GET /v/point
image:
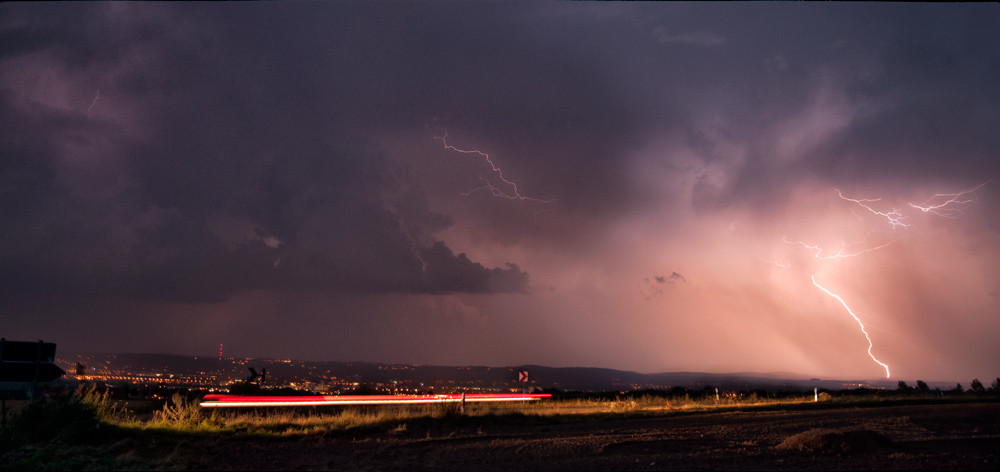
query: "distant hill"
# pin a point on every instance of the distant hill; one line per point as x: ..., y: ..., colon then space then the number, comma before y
x: 562, y: 378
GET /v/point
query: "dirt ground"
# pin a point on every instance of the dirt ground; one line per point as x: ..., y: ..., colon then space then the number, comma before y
x: 965, y: 436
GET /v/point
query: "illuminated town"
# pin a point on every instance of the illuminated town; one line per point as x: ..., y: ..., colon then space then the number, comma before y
x: 147, y: 375
x: 141, y: 374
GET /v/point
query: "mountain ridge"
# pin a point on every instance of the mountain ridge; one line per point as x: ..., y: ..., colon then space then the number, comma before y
x: 543, y: 377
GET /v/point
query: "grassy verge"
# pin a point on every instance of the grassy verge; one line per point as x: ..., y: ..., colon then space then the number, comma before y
x: 87, y: 431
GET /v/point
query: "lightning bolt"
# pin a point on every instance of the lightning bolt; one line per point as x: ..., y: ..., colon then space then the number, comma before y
x: 842, y: 302
x: 93, y: 103
x: 941, y: 209
x: 843, y: 250
x: 769, y: 261
x: 494, y: 190
x: 895, y: 217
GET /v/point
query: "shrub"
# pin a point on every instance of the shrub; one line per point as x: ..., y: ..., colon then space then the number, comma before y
x: 448, y: 410
x: 62, y: 419
x: 179, y: 411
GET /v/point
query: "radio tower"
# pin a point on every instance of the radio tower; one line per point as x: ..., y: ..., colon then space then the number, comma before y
x: 220, y: 352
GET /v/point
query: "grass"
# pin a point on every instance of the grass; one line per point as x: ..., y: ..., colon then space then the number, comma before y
x: 88, y: 431
x: 396, y: 418
x: 48, y: 434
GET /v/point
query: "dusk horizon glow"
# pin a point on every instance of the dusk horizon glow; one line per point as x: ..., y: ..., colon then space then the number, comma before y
x: 800, y: 188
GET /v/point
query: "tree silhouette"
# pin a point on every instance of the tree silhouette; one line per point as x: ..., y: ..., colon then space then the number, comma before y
x: 903, y: 388
x: 977, y: 386
x: 995, y: 386
x: 922, y: 387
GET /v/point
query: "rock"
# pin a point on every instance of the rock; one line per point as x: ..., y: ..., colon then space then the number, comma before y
x: 828, y: 441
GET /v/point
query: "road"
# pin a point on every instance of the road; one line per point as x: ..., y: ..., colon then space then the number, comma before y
x: 963, y: 436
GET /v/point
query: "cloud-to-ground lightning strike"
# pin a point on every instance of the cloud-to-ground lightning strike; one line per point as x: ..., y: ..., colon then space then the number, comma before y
x: 941, y: 209
x: 494, y: 190
x: 894, y: 219
x: 842, y: 302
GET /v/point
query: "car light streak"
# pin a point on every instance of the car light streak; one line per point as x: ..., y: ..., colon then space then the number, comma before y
x: 220, y: 401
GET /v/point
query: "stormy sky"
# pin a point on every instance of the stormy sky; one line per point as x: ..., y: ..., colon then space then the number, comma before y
x: 649, y: 187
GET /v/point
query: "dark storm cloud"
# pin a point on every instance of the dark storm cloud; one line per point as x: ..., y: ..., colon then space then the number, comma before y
x: 649, y: 289
x: 245, y: 160
x: 268, y: 117
x: 446, y: 272
x: 234, y: 166
x: 931, y: 98
x: 668, y: 279
x: 913, y: 85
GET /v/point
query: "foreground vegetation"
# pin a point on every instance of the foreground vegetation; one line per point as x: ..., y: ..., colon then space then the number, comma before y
x: 89, y: 431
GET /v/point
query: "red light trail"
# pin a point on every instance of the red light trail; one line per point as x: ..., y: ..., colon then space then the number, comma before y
x: 218, y: 401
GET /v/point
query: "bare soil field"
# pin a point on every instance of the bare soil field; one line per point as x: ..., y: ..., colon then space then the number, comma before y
x: 944, y: 436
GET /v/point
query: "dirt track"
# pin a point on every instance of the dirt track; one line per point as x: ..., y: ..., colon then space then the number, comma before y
x: 919, y: 437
